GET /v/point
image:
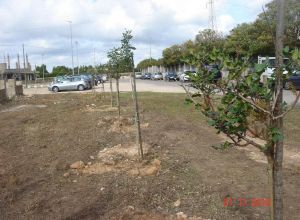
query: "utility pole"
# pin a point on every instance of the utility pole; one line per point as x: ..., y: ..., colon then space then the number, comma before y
x: 76, y: 42
x: 71, y: 38
x: 24, y: 65
x: 8, y: 61
x: 151, y: 54
x: 43, y: 66
x: 211, y: 18
x: 26, y: 80
x: 94, y: 57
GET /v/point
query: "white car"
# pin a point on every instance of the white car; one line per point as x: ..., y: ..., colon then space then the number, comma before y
x: 270, y: 69
x: 184, y: 77
x: 157, y: 76
x: 138, y: 75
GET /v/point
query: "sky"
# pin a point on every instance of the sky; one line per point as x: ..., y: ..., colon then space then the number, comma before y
x: 97, y: 26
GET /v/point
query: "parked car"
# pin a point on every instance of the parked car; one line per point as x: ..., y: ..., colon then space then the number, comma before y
x: 88, y: 77
x: 157, y: 76
x: 185, y: 76
x: 100, y: 79
x: 214, y: 69
x: 170, y: 76
x: 293, y: 81
x: 270, y: 70
x: 70, y: 83
x: 138, y: 75
x: 146, y: 76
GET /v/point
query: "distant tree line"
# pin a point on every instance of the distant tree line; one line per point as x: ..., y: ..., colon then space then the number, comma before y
x: 246, y: 39
x: 63, y: 70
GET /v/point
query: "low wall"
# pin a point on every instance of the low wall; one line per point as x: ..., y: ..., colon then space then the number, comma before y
x: 19, y: 88
x: 11, y: 88
x: 2, y: 91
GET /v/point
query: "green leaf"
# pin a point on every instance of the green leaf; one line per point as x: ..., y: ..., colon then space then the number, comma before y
x: 212, y: 122
x: 286, y: 49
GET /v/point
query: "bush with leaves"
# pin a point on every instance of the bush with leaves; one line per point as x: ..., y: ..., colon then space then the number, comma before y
x: 236, y: 103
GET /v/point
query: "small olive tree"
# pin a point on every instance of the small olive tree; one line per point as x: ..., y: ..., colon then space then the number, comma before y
x: 121, y: 61
x: 115, y: 64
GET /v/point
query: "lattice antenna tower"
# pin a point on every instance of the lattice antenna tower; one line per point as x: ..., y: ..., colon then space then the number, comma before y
x: 212, y: 16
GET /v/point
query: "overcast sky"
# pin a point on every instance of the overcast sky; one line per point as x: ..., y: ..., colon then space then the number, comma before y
x: 43, y: 28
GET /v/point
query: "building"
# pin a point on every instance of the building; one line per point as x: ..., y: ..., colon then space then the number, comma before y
x: 20, y: 74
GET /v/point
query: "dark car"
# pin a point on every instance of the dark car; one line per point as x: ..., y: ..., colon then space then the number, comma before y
x: 171, y: 77
x: 99, y: 79
x: 293, y: 81
x: 214, y: 69
x: 146, y: 76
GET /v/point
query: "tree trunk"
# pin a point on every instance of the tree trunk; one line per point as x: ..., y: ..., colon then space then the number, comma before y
x: 271, y: 183
x: 118, y: 96
x: 278, y: 153
x: 111, y: 90
x: 137, y: 116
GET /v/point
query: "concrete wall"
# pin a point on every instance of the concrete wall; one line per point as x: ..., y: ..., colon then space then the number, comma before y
x: 2, y: 91
x: 11, y: 88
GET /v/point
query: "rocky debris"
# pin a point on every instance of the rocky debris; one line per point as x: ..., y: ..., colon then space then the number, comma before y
x: 77, y: 165
x: 147, y: 170
x: 66, y: 174
x: 181, y: 216
x: 92, y: 157
x: 177, y: 203
x: 131, y: 212
x: 120, y: 152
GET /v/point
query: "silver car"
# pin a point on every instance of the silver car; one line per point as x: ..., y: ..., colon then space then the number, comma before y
x: 70, y: 83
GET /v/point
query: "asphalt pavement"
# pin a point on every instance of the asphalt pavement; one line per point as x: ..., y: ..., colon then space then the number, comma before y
x: 142, y: 86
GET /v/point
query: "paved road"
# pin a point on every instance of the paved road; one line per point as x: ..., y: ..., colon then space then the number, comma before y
x: 145, y: 86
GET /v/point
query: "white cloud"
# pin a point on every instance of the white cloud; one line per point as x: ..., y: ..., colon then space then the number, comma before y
x: 41, y: 25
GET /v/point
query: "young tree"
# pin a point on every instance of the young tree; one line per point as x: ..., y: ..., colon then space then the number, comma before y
x: 115, y: 61
x: 128, y: 64
x: 245, y: 102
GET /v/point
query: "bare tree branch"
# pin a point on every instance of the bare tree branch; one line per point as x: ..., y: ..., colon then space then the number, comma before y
x: 189, y: 94
x: 275, y: 101
x: 253, y: 104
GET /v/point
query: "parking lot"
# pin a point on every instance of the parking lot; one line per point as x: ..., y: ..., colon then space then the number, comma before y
x: 142, y: 86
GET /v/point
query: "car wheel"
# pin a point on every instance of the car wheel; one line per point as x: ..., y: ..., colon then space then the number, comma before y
x: 80, y: 87
x: 55, y: 89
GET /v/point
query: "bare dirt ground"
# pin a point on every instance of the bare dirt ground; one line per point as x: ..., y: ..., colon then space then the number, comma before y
x: 185, y: 177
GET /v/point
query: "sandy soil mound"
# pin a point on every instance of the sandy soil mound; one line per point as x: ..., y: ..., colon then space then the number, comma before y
x: 125, y: 125
x: 131, y: 213
x: 120, y: 159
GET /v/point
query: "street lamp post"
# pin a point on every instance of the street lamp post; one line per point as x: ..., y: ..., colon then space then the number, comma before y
x: 43, y: 66
x: 71, y: 36
x: 76, y: 42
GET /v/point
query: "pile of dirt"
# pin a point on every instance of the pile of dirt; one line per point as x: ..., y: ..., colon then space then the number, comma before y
x: 125, y: 125
x: 120, y: 159
x: 131, y: 213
